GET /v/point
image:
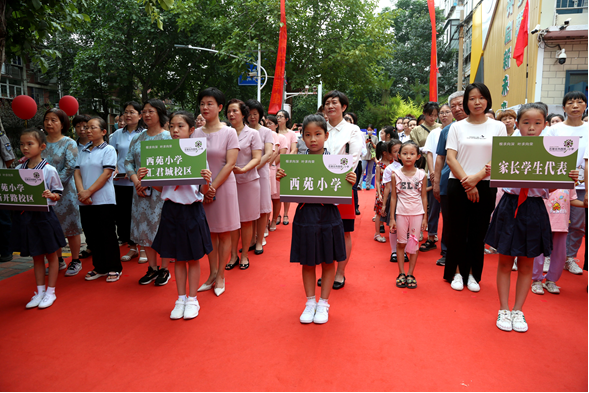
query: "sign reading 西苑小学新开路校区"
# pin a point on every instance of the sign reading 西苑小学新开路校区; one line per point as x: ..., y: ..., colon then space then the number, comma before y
x: 533, y: 161
x: 22, y: 189
x: 315, y: 178
x: 174, y: 162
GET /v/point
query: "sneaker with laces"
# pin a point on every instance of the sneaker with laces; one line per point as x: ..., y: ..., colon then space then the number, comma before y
x: 178, y: 311
x: 546, y: 265
x: 321, y: 313
x: 551, y: 287
x: 191, y: 309
x: 472, y: 284
x: 519, y: 321
x: 74, y: 268
x: 504, y: 321
x: 35, y: 300
x: 457, y: 283
x: 309, y: 314
x: 571, y: 266
x: 163, y: 276
x: 441, y: 261
x: 151, y: 275
x: 537, y: 288
x: 48, y: 300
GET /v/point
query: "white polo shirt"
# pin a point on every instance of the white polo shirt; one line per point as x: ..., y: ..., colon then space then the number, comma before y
x: 582, y: 131
x: 342, y: 134
x: 184, y: 195
x: 431, y: 145
x: 91, y: 164
x: 120, y: 140
x: 50, y: 177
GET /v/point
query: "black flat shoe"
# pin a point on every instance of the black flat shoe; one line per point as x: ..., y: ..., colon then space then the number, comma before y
x: 259, y: 252
x: 357, y: 212
x: 393, y: 257
x: 244, y: 266
x: 339, y: 285
x: 319, y: 282
x: 381, y: 229
x: 230, y: 266
x: 85, y: 254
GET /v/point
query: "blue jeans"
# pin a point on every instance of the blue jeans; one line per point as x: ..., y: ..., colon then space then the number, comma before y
x: 434, y: 213
x: 368, y: 165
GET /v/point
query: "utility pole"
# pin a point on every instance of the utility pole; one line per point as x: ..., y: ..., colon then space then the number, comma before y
x: 259, y: 73
x: 461, y: 45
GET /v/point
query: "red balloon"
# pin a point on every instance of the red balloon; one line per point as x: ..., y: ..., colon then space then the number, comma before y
x: 24, y: 107
x: 69, y: 105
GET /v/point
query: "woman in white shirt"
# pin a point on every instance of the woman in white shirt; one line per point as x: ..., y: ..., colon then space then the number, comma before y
x: 471, y: 200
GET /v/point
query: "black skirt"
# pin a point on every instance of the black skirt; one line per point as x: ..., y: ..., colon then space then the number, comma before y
x: 317, y: 235
x: 183, y: 233
x: 36, y: 233
x: 527, y: 235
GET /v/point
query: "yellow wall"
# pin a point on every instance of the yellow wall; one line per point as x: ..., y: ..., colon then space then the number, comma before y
x: 495, y: 49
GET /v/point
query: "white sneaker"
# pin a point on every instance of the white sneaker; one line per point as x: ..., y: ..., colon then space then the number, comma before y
x: 551, y: 287
x: 457, y: 284
x: 504, y: 321
x: 309, y: 313
x: 571, y: 266
x: 191, y: 309
x: 35, y: 300
x: 546, y: 265
x: 266, y: 232
x: 537, y: 288
x: 321, y: 313
x: 178, y: 311
x: 264, y: 242
x: 472, y: 284
x: 519, y: 321
x: 73, y: 269
x: 48, y: 300
x: 514, y: 267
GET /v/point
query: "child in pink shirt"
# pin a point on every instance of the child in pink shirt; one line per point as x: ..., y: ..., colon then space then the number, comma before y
x: 559, y: 208
x: 409, y: 200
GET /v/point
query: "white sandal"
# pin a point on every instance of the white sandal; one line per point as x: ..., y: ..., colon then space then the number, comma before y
x: 142, y: 257
x: 130, y: 255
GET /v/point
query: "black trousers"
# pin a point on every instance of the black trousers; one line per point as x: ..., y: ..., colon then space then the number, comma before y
x: 467, y: 225
x: 124, y: 195
x: 5, y: 229
x: 445, y: 218
x: 358, y: 172
x: 98, y: 223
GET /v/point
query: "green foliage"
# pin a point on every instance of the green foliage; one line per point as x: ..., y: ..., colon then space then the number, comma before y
x: 386, y: 113
x: 153, y: 12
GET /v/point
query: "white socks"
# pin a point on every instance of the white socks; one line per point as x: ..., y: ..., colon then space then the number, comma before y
x: 192, y: 299
x: 322, y: 302
x: 41, y: 289
x: 51, y: 290
x: 182, y: 297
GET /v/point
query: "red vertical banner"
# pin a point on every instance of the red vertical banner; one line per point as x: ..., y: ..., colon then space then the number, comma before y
x: 278, y: 86
x: 433, y: 68
x: 522, y: 36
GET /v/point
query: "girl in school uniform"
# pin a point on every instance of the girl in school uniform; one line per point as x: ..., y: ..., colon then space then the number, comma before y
x: 280, y: 146
x: 96, y: 198
x: 317, y: 233
x: 520, y: 228
x: 39, y: 234
x: 183, y: 233
x: 409, y: 202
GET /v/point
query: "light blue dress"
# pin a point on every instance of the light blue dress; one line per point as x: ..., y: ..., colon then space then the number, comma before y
x: 146, y: 211
x: 63, y: 155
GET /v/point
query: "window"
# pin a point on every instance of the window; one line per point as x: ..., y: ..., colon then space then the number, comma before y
x: 570, y: 6
x: 10, y: 88
x: 576, y: 81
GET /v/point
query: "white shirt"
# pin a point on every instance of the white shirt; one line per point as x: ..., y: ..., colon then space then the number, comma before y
x: 403, y: 137
x: 388, y: 171
x: 91, y: 164
x: 473, y: 143
x: 342, y: 134
x: 50, y: 178
x: 582, y: 131
x: 120, y: 140
x: 431, y: 145
x: 184, y: 195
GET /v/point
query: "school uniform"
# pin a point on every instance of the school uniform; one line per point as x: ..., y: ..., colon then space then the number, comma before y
x: 98, y: 218
x: 183, y: 233
x: 39, y: 233
x: 317, y: 234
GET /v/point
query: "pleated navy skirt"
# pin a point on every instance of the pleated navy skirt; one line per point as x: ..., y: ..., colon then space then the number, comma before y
x: 317, y: 235
x: 183, y: 233
x: 36, y: 233
x: 527, y: 235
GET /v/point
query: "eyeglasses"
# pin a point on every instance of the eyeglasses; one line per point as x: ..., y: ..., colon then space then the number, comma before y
x: 280, y: 117
x: 130, y: 112
x: 445, y: 113
x: 149, y: 112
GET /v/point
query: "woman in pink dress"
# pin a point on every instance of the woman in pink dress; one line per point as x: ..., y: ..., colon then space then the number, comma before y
x: 283, y: 123
x: 221, y: 206
x: 280, y: 144
x: 256, y: 112
x: 248, y: 180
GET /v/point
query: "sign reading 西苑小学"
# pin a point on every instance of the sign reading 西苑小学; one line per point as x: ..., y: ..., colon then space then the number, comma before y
x: 533, y: 161
x: 174, y: 162
x: 22, y: 189
x: 314, y: 178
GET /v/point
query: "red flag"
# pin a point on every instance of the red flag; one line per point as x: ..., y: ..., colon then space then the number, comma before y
x: 433, y: 68
x: 277, y: 87
x: 522, y: 37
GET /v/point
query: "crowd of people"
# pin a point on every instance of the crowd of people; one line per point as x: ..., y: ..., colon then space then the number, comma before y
x: 424, y: 167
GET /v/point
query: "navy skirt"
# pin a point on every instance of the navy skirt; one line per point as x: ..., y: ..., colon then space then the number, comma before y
x: 36, y: 233
x: 317, y: 235
x: 183, y: 233
x: 527, y: 235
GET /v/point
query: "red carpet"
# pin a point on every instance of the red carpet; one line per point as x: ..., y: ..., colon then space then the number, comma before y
x: 118, y: 337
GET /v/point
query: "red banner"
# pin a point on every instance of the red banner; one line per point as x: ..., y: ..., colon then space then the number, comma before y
x: 278, y: 86
x: 522, y: 37
x: 433, y: 68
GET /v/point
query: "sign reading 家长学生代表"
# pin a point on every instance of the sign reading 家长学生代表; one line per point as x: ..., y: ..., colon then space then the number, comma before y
x: 174, y: 162
x: 534, y: 161
x: 315, y: 178
x: 22, y: 189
